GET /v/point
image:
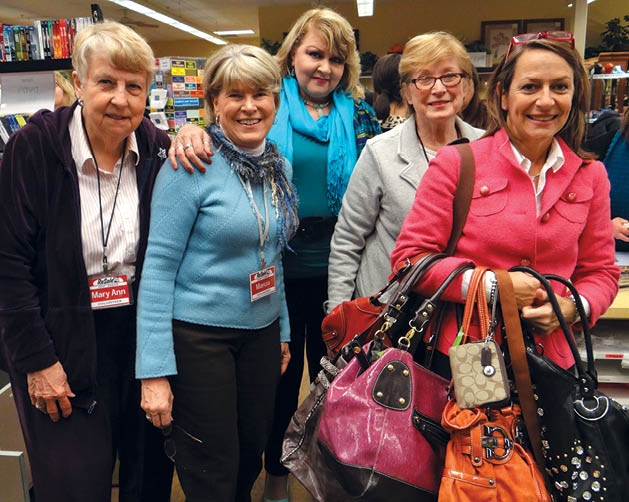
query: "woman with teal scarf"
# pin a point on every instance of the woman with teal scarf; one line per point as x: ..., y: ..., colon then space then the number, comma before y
x: 321, y: 127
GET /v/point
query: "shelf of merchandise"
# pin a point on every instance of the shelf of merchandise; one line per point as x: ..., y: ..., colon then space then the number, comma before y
x: 36, y: 65
x: 611, y: 349
x: 609, y: 90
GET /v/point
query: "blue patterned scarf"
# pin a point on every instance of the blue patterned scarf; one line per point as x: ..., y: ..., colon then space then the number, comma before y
x: 270, y: 167
x: 337, y: 130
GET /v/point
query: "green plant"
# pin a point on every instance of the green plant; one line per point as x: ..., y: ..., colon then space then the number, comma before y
x: 616, y: 36
x: 477, y: 46
x: 270, y: 46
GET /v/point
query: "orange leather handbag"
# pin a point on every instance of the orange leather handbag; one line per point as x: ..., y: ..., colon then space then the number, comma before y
x: 484, y: 461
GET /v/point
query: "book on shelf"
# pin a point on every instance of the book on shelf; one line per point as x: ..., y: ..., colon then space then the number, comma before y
x: 44, y: 39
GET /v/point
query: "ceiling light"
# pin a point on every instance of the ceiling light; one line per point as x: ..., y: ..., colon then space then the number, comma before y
x: 365, y: 8
x: 228, y: 33
x: 572, y: 4
x: 146, y: 11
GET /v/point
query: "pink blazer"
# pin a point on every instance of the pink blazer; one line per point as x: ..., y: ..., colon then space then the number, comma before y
x: 571, y: 237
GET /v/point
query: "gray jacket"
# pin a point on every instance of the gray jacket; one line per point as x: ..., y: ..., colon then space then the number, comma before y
x: 380, y: 193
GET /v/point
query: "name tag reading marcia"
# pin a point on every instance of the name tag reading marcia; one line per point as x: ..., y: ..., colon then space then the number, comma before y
x: 109, y: 291
x: 262, y: 283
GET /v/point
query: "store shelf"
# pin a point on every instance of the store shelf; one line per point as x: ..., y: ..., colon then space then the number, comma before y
x: 609, y: 76
x: 39, y: 65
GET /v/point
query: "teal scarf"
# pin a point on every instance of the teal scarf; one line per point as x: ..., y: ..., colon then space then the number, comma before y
x: 337, y: 130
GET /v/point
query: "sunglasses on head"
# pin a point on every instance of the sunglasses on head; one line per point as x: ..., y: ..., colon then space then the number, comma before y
x: 525, y: 38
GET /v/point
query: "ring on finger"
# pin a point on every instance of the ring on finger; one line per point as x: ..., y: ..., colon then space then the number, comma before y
x: 148, y: 417
x: 188, y: 145
x: 207, y: 142
x: 180, y: 147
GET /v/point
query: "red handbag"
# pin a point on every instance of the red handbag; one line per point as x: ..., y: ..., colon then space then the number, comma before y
x: 348, y: 319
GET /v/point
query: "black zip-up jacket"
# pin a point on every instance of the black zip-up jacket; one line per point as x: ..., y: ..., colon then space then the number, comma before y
x: 45, y: 313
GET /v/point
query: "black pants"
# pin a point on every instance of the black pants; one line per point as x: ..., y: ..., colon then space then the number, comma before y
x: 305, y: 299
x: 73, y: 459
x: 223, y: 408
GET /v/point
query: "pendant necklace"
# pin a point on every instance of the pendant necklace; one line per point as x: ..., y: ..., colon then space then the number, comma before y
x: 319, y: 107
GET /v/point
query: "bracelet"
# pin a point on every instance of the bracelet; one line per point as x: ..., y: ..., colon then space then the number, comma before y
x: 577, y: 317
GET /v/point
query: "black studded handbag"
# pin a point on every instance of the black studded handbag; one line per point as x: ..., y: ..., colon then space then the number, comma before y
x: 584, y: 433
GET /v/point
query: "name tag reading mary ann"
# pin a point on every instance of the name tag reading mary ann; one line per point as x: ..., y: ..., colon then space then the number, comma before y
x: 262, y: 283
x: 108, y: 291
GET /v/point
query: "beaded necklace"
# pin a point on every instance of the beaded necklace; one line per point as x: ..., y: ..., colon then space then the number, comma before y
x: 319, y: 107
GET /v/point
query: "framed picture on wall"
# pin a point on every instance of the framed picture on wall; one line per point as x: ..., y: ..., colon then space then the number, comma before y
x: 539, y: 25
x: 496, y: 36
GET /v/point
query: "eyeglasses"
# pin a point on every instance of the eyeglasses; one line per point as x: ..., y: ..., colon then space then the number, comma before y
x: 424, y: 83
x: 169, y: 442
x: 525, y: 38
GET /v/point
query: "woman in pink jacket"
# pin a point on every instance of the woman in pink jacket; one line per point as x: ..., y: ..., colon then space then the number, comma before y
x: 535, y: 202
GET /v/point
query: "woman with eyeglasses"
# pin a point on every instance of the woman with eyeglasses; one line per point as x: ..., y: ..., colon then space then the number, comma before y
x: 435, y: 74
x: 536, y: 201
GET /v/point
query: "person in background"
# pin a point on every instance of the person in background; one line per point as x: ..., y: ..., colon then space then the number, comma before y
x: 536, y: 200
x: 474, y: 110
x: 391, y: 109
x: 321, y: 127
x: 213, y: 325
x: 64, y: 91
x: 600, y: 133
x: 434, y: 69
x: 616, y: 160
x: 75, y: 190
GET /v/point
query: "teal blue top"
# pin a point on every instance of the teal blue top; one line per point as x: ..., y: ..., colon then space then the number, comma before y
x: 617, y: 164
x: 203, y: 244
x: 310, y: 175
x: 308, y: 257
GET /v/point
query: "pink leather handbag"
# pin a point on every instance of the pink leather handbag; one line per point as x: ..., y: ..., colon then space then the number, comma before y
x: 380, y: 429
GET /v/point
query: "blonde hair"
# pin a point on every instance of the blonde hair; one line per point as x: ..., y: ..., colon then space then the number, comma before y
x: 239, y: 65
x: 69, y: 97
x: 125, y: 49
x: 424, y: 50
x: 338, y: 34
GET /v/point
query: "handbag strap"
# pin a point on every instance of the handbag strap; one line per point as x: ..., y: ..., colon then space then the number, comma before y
x: 462, y: 196
x: 476, y: 295
x: 588, y: 381
x: 519, y: 364
x: 427, y: 309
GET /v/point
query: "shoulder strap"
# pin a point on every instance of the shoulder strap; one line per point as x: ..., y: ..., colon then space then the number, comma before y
x: 519, y: 364
x: 463, y: 194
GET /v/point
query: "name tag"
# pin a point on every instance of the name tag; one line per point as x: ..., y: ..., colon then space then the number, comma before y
x: 262, y: 283
x: 109, y: 291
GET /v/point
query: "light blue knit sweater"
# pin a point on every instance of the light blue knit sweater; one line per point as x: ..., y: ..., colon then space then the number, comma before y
x: 203, y: 244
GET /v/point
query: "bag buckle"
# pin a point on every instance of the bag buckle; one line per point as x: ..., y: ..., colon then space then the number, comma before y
x: 491, y: 442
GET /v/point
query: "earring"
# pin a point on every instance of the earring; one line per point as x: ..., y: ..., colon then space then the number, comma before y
x: 291, y: 73
x: 217, y: 120
x: 80, y: 102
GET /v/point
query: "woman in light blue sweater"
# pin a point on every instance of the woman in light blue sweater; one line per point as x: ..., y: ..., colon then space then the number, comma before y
x: 212, y: 316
